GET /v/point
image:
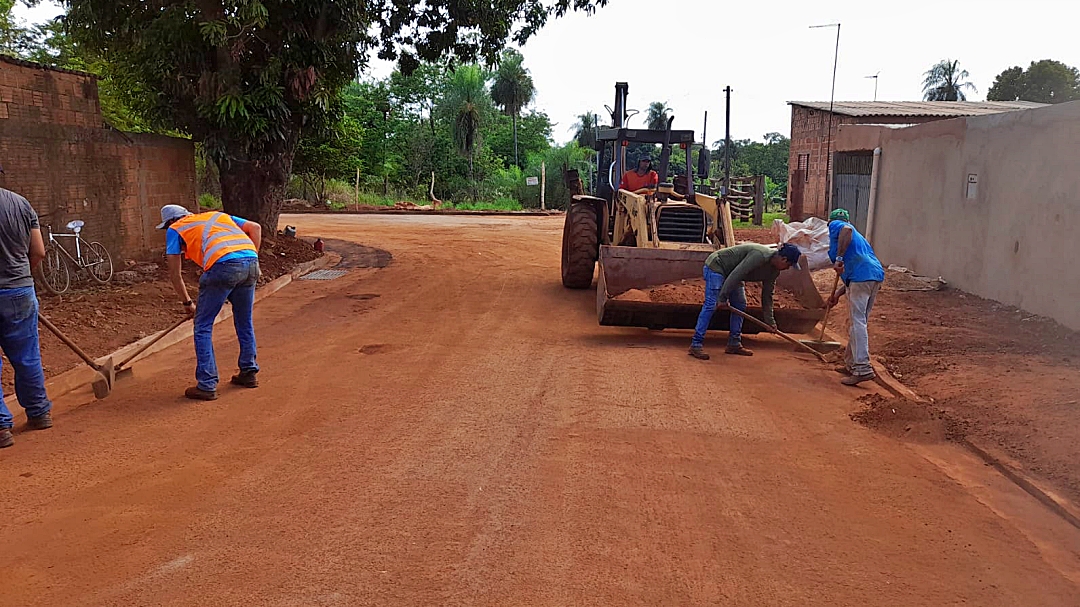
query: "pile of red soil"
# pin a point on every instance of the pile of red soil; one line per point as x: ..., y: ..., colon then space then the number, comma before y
x: 693, y: 292
x: 278, y: 256
x: 908, y: 420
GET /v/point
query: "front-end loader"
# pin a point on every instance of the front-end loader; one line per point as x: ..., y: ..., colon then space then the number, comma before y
x: 648, y: 238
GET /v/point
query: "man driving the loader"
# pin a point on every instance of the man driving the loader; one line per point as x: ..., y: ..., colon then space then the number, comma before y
x: 642, y: 179
x: 725, y: 271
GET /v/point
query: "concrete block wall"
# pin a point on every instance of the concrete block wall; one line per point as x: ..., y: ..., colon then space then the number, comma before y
x: 56, y: 152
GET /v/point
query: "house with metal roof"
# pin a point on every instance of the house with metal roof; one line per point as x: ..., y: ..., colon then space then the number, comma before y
x: 814, y: 127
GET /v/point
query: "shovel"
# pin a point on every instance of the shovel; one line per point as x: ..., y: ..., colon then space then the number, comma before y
x: 769, y: 328
x: 122, y: 369
x: 107, y: 372
x: 819, y: 344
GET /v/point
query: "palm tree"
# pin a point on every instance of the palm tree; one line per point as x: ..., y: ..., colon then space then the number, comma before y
x: 585, y: 130
x: 946, y: 82
x: 466, y: 106
x: 513, y: 89
x: 657, y: 117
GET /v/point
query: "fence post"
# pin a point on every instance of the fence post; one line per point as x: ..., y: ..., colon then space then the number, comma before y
x: 357, y: 199
x: 543, y: 185
x: 759, y: 199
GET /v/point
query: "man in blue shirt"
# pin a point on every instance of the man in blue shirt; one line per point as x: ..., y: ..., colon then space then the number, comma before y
x: 862, y: 275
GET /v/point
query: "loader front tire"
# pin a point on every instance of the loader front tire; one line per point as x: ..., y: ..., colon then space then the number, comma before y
x: 580, y: 247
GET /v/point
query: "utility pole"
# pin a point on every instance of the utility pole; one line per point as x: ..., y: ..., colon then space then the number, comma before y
x: 727, y: 142
x: 832, y: 100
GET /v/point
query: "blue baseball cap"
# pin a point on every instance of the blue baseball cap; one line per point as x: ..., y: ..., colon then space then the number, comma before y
x: 791, y: 253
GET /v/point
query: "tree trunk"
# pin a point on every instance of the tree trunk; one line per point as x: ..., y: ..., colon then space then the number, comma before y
x: 472, y: 175
x: 255, y: 190
x: 516, y: 161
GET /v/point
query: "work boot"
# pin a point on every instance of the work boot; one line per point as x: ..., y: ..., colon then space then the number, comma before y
x: 855, y: 380
x: 246, y: 379
x: 698, y: 353
x: 41, y: 422
x: 843, y: 370
x: 195, y: 393
x: 739, y: 351
x: 6, y: 439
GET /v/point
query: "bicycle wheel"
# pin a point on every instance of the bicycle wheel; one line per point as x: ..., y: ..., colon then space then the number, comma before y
x: 55, y: 276
x: 99, y: 262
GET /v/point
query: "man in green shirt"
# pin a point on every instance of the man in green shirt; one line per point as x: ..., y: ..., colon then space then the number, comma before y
x: 725, y: 271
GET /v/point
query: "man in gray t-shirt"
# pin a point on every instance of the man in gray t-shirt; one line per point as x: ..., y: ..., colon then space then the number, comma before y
x: 21, y: 247
x: 17, y: 223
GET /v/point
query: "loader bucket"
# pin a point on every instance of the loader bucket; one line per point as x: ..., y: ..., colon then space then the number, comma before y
x: 626, y: 268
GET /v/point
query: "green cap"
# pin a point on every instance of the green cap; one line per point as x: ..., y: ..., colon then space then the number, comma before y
x: 840, y: 214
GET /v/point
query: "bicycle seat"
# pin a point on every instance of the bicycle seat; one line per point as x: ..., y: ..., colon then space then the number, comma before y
x: 76, y: 225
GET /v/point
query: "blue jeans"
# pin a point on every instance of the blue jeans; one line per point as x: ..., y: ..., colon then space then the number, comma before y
x: 737, y: 299
x: 19, y: 340
x: 233, y: 281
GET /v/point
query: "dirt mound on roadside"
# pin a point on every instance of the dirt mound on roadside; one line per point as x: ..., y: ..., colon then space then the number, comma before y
x: 693, y: 292
x: 907, y: 420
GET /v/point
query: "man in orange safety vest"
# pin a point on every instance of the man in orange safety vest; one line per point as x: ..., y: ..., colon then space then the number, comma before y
x: 227, y: 249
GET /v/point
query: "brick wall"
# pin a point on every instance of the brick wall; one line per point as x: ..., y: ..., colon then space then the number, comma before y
x: 56, y: 152
x: 810, y: 138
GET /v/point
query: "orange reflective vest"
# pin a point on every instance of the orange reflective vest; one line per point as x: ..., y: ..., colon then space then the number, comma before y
x: 210, y: 236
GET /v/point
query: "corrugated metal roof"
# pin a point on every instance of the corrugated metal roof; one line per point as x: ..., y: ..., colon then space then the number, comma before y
x: 919, y: 108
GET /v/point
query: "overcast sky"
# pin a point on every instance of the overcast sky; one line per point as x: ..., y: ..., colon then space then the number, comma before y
x: 684, y: 52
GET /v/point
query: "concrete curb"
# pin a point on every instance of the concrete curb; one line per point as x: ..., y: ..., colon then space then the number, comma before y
x: 73, y: 379
x: 1013, y: 472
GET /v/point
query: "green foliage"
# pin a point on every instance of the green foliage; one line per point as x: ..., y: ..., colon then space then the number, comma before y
x: 209, y: 202
x: 556, y: 159
x: 500, y: 204
x: 512, y: 90
x: 748, y: 158
x: 534, y: 135
x: 15, y: 39
x: 657, y: 117
x: 249, y: 78
x: 766, y: 222
x: 585, y: 130
x: 467, y: 107
x: 1045, y: 81
x: 945, y: 81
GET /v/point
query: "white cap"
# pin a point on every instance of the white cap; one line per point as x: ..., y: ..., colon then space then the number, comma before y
x: 170, y: 212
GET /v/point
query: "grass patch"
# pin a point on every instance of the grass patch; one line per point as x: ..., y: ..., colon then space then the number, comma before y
x: 209, y: 202
x: 766, y: 222
x: 501, y: 204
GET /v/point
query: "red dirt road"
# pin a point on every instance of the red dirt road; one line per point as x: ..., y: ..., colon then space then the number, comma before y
x: 455, y: 429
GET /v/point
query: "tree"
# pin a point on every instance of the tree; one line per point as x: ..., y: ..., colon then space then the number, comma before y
x: 336, y: 154
x: 247, y: 78
x: 1045, y: 81
x: 14, y: 38
x: 657, y: 117
x: 585, y: 130
x: 946, y: 82
x: 466, y: 107
x: 513, y: 89
x: 533, y: 136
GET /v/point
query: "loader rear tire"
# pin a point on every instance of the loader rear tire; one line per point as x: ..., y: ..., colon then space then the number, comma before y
x: 580, y: 247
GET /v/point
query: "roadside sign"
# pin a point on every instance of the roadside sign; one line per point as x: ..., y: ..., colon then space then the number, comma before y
x: 532, y: 181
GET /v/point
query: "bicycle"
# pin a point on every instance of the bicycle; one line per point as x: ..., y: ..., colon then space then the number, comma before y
x: 91, y: 257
